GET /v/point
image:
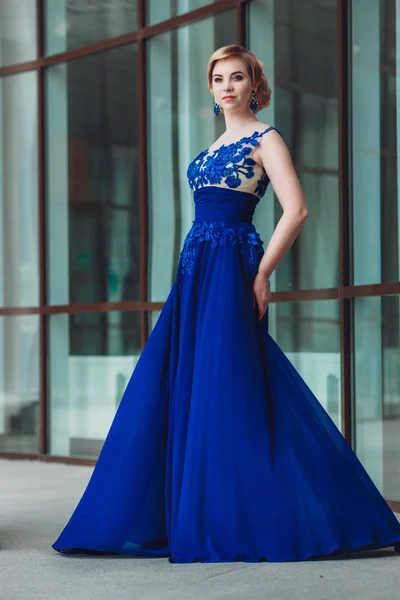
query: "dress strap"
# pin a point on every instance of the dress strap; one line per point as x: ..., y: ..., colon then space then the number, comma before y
x: 269, y: 129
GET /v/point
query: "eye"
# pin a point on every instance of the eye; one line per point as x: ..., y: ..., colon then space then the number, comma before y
x: 217, y: 79
x: 238, y: 77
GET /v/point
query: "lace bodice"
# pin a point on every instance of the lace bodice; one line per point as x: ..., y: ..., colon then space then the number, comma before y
x: 227, y: 185
x: 230, y: 166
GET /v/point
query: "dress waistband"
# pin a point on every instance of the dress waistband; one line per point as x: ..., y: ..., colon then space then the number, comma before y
x: 215, y: 203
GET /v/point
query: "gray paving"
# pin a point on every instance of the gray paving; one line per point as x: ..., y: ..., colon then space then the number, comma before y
x: 37, y: 498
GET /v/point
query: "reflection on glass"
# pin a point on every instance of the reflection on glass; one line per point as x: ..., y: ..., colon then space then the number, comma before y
x: 92, y: 179
x: 375, y: 148
x: 313, y: 261
x: 309, y: 334
x: 17, y: 31
x: 91, y: 358
x: 297, y: 41
x: 19, y: 383
x: 181, y: 124
x: 377, y: 390
x: 161, y: 11
x: 152, y: 319
x: 75, y: 23
x: 19, y: 269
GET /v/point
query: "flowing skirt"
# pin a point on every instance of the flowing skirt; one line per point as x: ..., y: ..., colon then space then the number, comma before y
x: 219, y: 451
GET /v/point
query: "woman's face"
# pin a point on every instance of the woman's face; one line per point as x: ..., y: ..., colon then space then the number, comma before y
x: 231, y: 84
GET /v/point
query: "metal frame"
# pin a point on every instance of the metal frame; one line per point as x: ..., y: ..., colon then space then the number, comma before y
x: 344, y: 206
x: 345, y: 293
x: 143, y: 188
x: 43, y: 413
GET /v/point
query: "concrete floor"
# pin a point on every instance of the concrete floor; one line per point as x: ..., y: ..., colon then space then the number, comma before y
x: 36, y: 499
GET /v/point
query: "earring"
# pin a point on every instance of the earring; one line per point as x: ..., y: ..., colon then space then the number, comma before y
x: 253, y: 104
x: 216, y: 109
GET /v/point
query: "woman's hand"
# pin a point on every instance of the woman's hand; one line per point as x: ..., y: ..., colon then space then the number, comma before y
x: 262, y: 294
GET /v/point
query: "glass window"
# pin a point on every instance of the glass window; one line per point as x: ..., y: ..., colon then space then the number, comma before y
x: 375, y: 140
x: 91, y: 358
x: 297, y: 42
x: 19, y: 383
x: 75, y: 23
x: 309, y: 334
x: 19, y: 268
x: 377, y: 390
x: 152, y: 318
x: 17, y: 31
x: 181, y: 124
x: 161, y: 11
x: 92, y: 179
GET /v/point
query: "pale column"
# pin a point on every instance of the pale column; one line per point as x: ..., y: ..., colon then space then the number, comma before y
x: 261, y: 36
x: 398, y: 128
x: 197, y: 124
x: 18, y: 212
x: 20, y: 266
x: 56, y: 26
x: 158, y: 11
x: 18, y: 31
x: 2, y: 283
x: 2, y: 333
x: 367, y: 235
x: 58, y: 234
x: 161, y: 165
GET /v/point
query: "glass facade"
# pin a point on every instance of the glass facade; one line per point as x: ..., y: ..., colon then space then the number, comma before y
x: 377, y: 389
x: 309, y: 334
x: 375, y: 237
x: 19, y: 268
x: 102, y: 107
x: 301, y: 60
x: 180, y: 115
x: 157, y: 11
x: 91, y: 357
x: 18, y: 27
x: 72, y: 24
x: 19, y: 384
x: 375, y: 147
x: 92, y: 178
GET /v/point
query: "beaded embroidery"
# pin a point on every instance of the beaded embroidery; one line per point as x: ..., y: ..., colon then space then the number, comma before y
x: 229, y: 166
x: 243, y: 234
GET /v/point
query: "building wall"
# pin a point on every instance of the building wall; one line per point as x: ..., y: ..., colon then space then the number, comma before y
x: 97, y: 127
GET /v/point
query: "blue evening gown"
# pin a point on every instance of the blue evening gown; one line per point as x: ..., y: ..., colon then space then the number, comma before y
x: 219, y: 451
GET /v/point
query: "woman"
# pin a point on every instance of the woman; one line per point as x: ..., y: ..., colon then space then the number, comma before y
x: 219, y: 451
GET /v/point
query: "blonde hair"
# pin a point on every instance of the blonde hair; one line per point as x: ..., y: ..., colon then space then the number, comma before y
x: 254, y: 67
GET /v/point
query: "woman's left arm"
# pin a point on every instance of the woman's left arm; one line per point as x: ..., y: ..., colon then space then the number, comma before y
x: 274, y: 156
x: 276, y: 160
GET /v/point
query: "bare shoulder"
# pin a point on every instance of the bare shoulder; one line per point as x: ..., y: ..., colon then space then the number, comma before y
x: 271, y: 136
x: 271, y: 140
x: 270, y: 132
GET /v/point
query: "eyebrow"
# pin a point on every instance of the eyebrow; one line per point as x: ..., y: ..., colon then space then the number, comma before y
x: 235, y: 73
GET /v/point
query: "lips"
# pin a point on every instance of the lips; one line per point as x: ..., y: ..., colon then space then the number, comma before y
x: 228, y: 98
